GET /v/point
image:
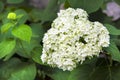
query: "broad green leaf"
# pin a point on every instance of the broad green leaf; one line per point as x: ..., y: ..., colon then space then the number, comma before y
x: 85, y: 72
x: 52, y: 9
x: 6, y: 27
x: 36, y: 14
x: 22, y: 16
x: 23, y: 32
x: 24, y: 48
x: 6, y: 47
x: 82, y: 72
x: 14, y: 69
x: 66, y: 4
x: 4, y: 18
x: 112, y: 30
x: 36, y: 53
x: 14, y: 1
x: 1, y: 6
x: 115, y: 72
x: 78, y: 73
x: 113, y: 51
x: 61, y: 1
x: 117, y: 2
x: 88, y: 5
x: 38, y: 30
x: 50, y: 17
x: 49, y: 14
x: 117, y: 41
x: 55, y: 73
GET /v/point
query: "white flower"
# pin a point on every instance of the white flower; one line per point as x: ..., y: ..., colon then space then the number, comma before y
x: 72, y: 38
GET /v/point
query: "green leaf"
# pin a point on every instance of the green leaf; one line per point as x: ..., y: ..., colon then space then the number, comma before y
x: 115, y: 73
x: 6, y: 47
x: 112, y: 30
x: 55, y: 73
x: 36, y: 53
x: 80, y: 73
x: 14, y: 69
x: 23, y: 32
x: 88, y: 5
x: 113, y: 51
x: 61, y: 1
x: 22, y: 16
x: 85, y: 72
x: 117, y: 1
x: 1, y: 6
x: 6, y: 27
x: 36, y: 14
x: 24, y: 48
x: 14, y: 1
x: 52, y: 8
x: 38, y: 30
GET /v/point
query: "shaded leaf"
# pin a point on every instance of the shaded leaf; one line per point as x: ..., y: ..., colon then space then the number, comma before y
x: 23, y: 32
x: 6, y: 47
x: 14, y: 69
x: 38, y: 30
x: 61, y: 1
x: 117, y: 1
x: 115, y: 72
x: 22, y: 16
x: 112, y: 30
x: 1, y: 6
x: 113, y: 51
x: 36, y: 53
x: 83, y: 72
x: 14, y: 1
x: 6, y: 27
x: 24, y: 48
x: 93, y: 5
x: 42, y: 15
x: 36, y: 14
x: 55, y: 73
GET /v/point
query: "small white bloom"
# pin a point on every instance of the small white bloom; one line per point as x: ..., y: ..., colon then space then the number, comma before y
x: 72, y: 38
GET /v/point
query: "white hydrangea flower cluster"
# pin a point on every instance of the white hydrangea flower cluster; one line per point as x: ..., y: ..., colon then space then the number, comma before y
x: 72, y: 38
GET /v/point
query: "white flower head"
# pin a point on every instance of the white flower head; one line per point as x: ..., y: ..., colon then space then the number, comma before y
x: 72, y: 38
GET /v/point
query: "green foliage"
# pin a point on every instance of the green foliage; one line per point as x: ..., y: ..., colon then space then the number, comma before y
x: 21, y: 42
x: 23, y: 32
x: 38, y: 30
x: 118, y: 1
x: 113, y: 51
x: 36, y: 53
x: 51, y: 8
x: 88, y: 5
x: 14, y: 69
x: 86, y: 72
x: 1, y: 6
x: 6, y: 27
x: 14, y: 1
x: 6, y: 47
x: 61, y: 1
x: 112, y: 29
x: 22, y: 16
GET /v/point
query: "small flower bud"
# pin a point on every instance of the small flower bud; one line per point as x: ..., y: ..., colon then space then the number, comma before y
x: 11, y: 15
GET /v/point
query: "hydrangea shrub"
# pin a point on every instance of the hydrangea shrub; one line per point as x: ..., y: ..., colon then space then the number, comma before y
x: 72, y: 38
